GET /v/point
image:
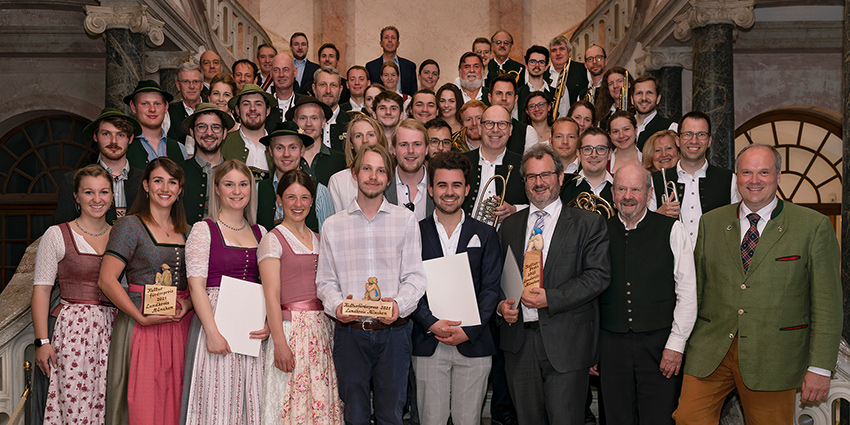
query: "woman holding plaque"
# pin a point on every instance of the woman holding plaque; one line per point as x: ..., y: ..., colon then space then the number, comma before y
x: 221, y: 387
x: 146, y: 357
x: 300, y: 379
x: 70, y: 253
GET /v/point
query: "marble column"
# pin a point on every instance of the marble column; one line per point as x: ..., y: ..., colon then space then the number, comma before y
x: 711, y: 24
x: 124, y: 29
x: 845, y: 195
x: 666, y: 64
x: 714, y: 88
x: 670, y: 87
x: 166, y: 64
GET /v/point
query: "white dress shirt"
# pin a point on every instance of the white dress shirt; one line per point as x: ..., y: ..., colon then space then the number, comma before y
x: 690, y: 209
x: 449, y: 243
x: 403, y: 194
x: 355, y: 248
x: 488, y: 170
x: 673, y: 126
x: 343, y: 189
x: 256, y: 152
x: 326, y: 131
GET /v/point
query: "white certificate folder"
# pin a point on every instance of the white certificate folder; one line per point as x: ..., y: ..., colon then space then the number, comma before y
x: 451, y: 294
x: 241, y: 310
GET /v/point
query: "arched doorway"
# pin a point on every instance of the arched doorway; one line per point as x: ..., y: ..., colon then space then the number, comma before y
x: 809, y: 140
x: 34, y: 154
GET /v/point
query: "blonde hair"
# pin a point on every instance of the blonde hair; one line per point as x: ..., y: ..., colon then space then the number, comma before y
x: 349, y: 146
x: 649, y: 147
x: 250, y: 211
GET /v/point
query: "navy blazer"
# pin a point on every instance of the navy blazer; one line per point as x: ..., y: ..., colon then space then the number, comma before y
x: 407, y: 69
x: 485, y: 264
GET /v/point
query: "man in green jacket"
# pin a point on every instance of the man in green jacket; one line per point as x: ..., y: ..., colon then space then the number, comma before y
x: 770, y: 302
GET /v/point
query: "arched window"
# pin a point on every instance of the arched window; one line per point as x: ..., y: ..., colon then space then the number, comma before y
x: 809, y: 140
x: 33, y: 156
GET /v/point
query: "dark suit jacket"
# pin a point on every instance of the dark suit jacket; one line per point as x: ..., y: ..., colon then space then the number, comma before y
x: 576, y: 270
x: 338, y: 130
x: 65, y: 203
x: 657, y: 124
x: 306, y: 84
x: 485, y: 263
x: 392, y: 196
x: 407, y: 69
x: 276, y: 114
x: 177, y: 113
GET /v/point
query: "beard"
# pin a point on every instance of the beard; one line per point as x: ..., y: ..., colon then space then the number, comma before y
x: 471, y: 85
x: 199, y: 146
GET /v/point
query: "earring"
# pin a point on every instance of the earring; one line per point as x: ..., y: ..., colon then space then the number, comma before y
x: 77, y: 206
x: 147, y: 194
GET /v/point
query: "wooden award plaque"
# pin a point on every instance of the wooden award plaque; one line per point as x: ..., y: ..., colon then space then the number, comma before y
x: 161, y: 298
x: 532, y: 271
x: 371, y: 304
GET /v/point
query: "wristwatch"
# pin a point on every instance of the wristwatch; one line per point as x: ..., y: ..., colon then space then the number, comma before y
x: 40, y: 342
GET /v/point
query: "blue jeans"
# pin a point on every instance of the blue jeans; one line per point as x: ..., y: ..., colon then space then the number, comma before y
x: 381, y: 357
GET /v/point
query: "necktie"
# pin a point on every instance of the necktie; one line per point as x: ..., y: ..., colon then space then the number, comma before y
x: 541, y: 215
x: 751, y: 238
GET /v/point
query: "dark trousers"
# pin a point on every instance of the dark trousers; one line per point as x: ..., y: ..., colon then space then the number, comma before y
x: 381, y: 357
x: 632, y: 384
x: 501, y: 405
x: 539, y: 391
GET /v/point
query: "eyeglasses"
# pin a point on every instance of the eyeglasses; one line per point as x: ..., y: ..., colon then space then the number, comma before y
x: 598, y: 58
x: 688, y: 135
x: 503, y: 42
x: 190, y: 82
x: 588, y: 150
x: 538, y: 105
x: 503, y: 125
x: 202, y: 128
x: 536, y: 62
x: 534, y: 177
x: 436, y: 142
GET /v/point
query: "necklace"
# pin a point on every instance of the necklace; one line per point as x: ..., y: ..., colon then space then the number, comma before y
x: 298, y: 234
x: 244, y: 224
x: 90, y: 233
x: 167, y: 235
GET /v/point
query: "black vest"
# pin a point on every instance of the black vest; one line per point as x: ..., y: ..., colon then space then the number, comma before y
x: 642, y: 295
x: 657, y: 124
x: 195, y: 191
x: 516, y: 143
x: 515, y: 194
x: 715, y: 188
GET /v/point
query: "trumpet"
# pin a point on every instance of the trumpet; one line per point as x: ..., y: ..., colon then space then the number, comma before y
x: 624, y: 94
x: 486, y: 211
x: 591, y: 202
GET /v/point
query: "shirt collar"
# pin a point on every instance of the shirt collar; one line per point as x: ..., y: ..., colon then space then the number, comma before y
x: 608, y: 177
x: 460, y: 223
x: 207, y: 166
x: 301, y: 62
x: 422, y: 181
x: 700, y: 171
x: 550, y: 209
x: 764, y: 214
x: 643, y: 216
x: 498, y: 161
x: 355, y: 207
x: 124, y: 171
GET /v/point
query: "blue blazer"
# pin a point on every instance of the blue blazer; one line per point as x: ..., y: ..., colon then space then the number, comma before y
x: 409, y: 83
x: 485, y: 262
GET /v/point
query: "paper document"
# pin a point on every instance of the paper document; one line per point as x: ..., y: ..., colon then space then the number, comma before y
x: 451, y: 294
x: 241, y: 310
x: 512, y: 279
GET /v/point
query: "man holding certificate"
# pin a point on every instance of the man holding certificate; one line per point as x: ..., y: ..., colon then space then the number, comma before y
x: 550, y: 335
x: 452, y: 360
x: 371, y: 239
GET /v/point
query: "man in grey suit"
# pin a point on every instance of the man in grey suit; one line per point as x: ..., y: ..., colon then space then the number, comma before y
x: 550, y: 338
x: 409, y: 188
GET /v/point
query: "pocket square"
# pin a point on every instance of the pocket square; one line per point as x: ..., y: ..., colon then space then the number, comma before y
x: 789, y: 258
x: 474, y: 242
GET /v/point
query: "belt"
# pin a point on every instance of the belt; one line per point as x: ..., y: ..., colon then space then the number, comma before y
x: 372, y: 325
x: 531, y: 325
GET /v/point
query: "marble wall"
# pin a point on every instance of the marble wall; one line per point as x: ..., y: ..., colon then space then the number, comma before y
x: 436, y: 29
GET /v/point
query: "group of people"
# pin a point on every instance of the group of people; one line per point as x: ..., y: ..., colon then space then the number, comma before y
x: 271, y: 176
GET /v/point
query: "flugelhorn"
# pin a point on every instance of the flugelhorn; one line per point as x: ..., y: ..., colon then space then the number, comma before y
x: 592, y: 202
x: 514, y: 74
x: 486, y: 211
x: 624, y: 94
x: 668, y: 186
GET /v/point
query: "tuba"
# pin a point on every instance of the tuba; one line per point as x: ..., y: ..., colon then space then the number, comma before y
x: 624, y: 94
x: 486, y: 211
x: 589, y: 202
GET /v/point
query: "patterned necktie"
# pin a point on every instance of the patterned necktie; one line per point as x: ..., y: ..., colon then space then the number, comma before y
x: 541, y: 215
x: 535, y: 242
x: 751, y: 238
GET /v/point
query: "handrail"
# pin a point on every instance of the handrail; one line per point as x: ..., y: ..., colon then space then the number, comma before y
x: 606, y: 26
x: 235, y: 29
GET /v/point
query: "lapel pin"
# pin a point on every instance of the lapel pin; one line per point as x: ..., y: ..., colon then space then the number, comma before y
x: 729, y: 227
x: 779, y: 228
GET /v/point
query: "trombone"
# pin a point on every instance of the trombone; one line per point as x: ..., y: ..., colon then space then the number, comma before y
x: 486, y: 210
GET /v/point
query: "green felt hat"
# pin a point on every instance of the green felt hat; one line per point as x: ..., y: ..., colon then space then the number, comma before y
x: 251, y: 89
x: 287, y: 128
x: 112, y: 112
x: 147, y: 86
x: 203, y: 108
